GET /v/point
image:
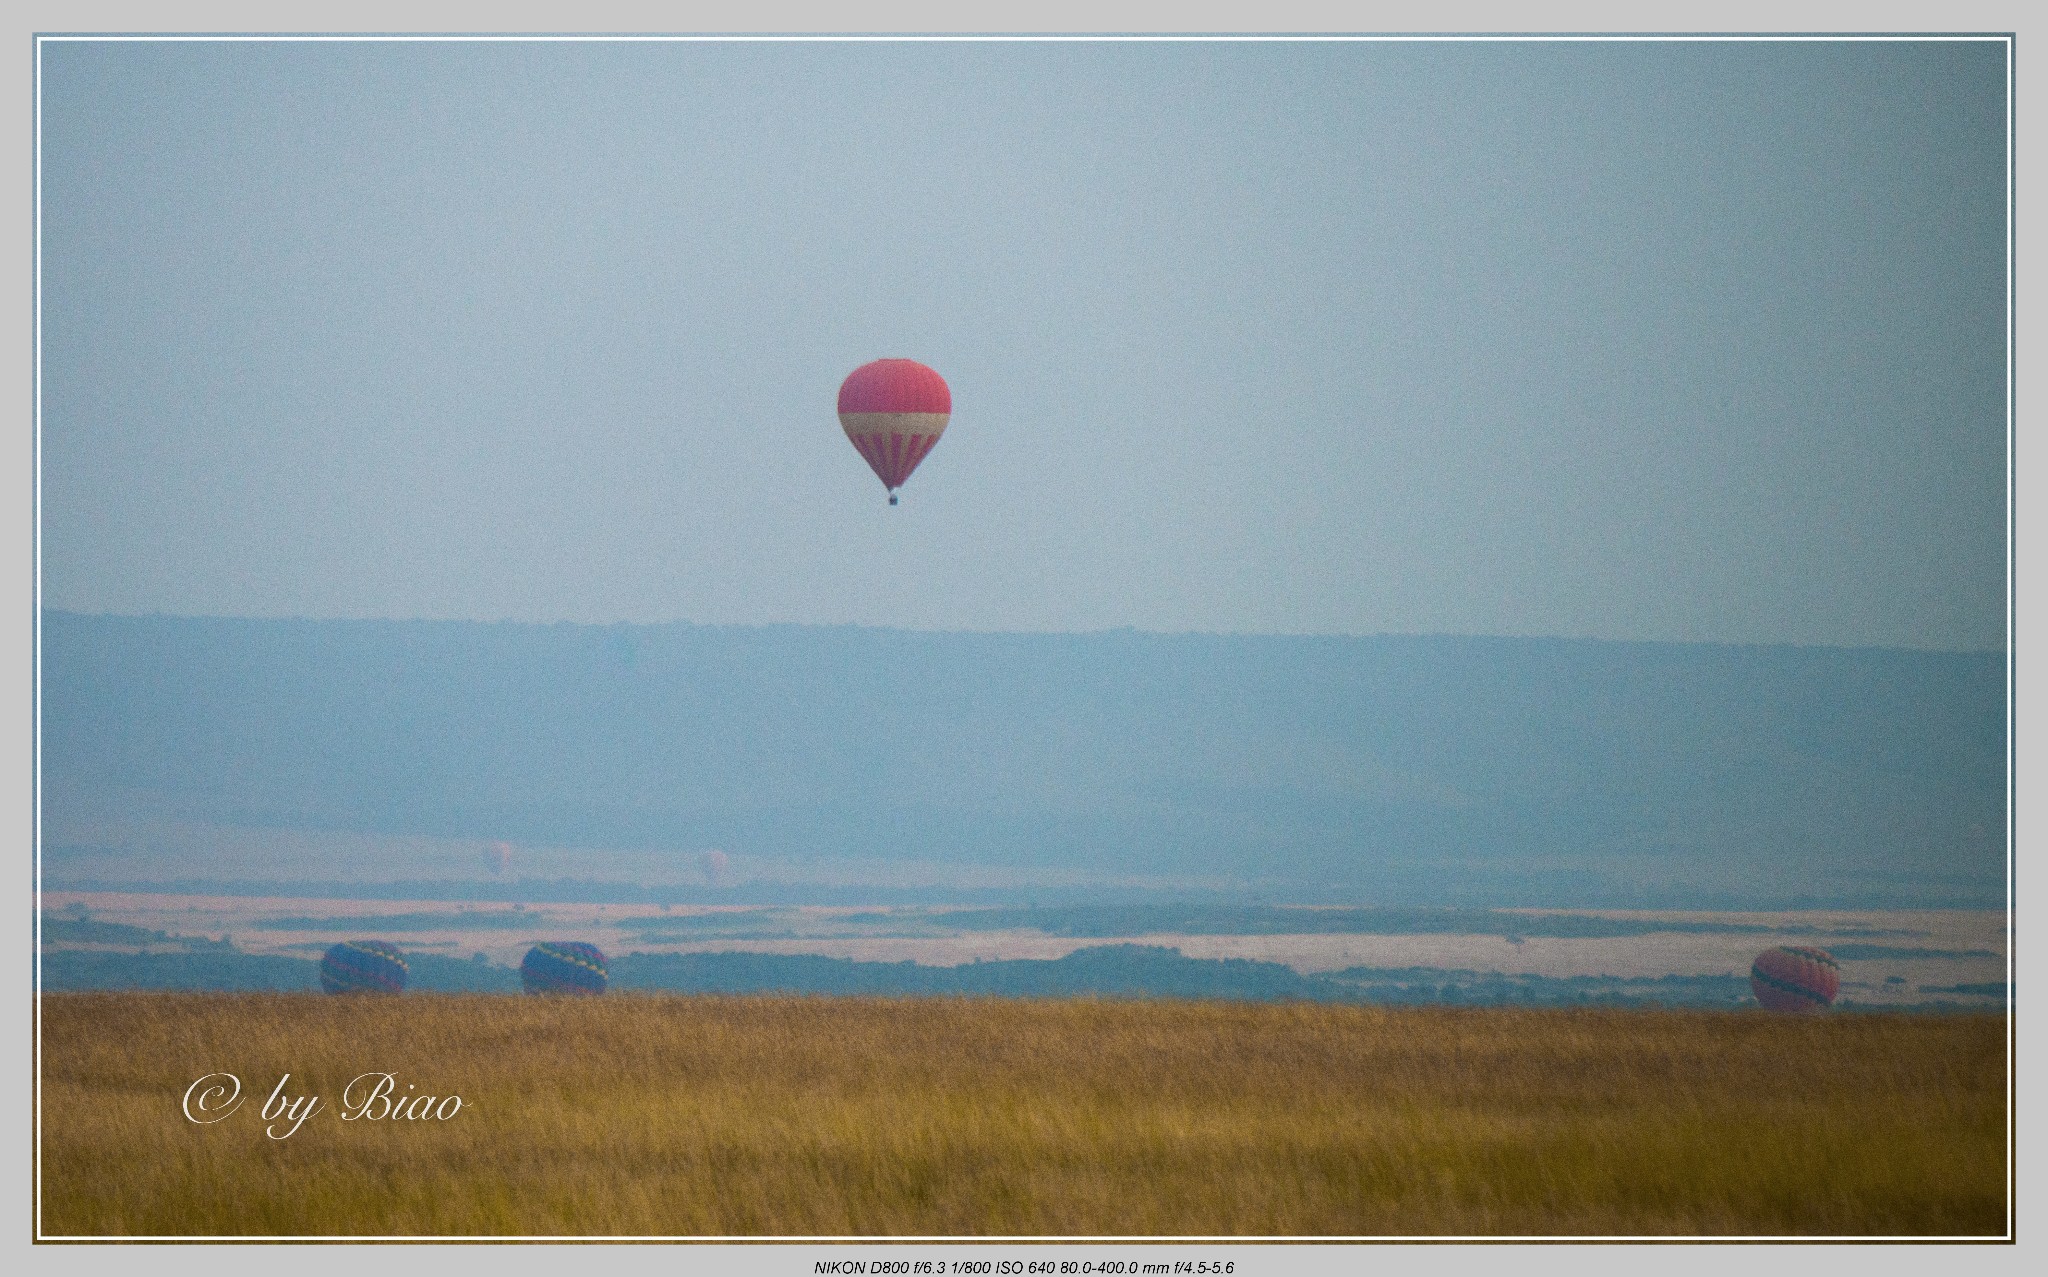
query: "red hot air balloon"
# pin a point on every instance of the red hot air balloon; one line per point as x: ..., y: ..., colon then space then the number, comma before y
x: 894, y: 410
x: 1795, y: 978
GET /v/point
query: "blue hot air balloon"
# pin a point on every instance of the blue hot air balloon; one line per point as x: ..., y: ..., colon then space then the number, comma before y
x: 363, y: 966
x: 563, y: 966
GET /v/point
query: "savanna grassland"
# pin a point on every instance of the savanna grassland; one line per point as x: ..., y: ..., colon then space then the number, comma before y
x: 675, y: 1116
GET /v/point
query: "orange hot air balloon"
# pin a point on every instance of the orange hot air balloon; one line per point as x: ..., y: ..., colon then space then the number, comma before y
x: 1795, y: 978
x: 894, y: 410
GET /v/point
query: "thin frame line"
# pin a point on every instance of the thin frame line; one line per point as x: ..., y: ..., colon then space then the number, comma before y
x: 39, y: 39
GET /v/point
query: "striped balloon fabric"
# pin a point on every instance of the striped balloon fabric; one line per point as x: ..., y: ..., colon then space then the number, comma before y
x: 363, y: 966
x: 563, y: 966
x: 894, y: 411
x: 1795, y: 978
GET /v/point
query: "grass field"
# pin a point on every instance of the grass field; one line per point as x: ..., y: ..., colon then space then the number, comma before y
x: 789, y: 1116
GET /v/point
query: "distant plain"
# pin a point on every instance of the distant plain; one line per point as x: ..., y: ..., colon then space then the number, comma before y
x: 1889, y: 957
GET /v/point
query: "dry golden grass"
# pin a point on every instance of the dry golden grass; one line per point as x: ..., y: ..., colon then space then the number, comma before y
x: 793, y: 1116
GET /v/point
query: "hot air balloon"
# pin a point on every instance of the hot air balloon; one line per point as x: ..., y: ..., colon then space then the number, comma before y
x: 499, y: 856
x: 1795, y: 978
x: 563, y: 966
x: 714, y: 863
x: 363, y: 966
x: 894, y: 410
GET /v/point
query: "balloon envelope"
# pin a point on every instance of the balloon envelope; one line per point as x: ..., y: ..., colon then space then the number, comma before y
x: 714, y: 862
x: 363, y: 966
x: 499, y: 856
x: 1795, y: 978
x: 563, y: 966
x: 894, y: 411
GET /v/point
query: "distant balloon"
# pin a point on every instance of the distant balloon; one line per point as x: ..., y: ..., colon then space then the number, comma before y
x: 499, y: 856
x: 715, y: 863
x: 563, y: 966
x: 363, y: 966
x: 894, y: 410
x: 1795, y: 978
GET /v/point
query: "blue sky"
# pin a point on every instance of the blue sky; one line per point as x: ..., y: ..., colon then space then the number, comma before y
x: 1691, y: 341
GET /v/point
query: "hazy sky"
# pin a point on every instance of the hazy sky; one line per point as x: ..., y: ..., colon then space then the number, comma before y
x: 1630, y: 340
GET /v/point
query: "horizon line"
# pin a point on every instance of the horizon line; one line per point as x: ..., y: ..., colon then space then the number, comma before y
x: 2001, y: 650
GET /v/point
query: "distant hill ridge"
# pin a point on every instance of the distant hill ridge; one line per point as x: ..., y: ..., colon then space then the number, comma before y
x: 1494, y: 770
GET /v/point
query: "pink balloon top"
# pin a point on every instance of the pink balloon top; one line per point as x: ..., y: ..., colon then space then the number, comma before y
x: 894, y: 385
